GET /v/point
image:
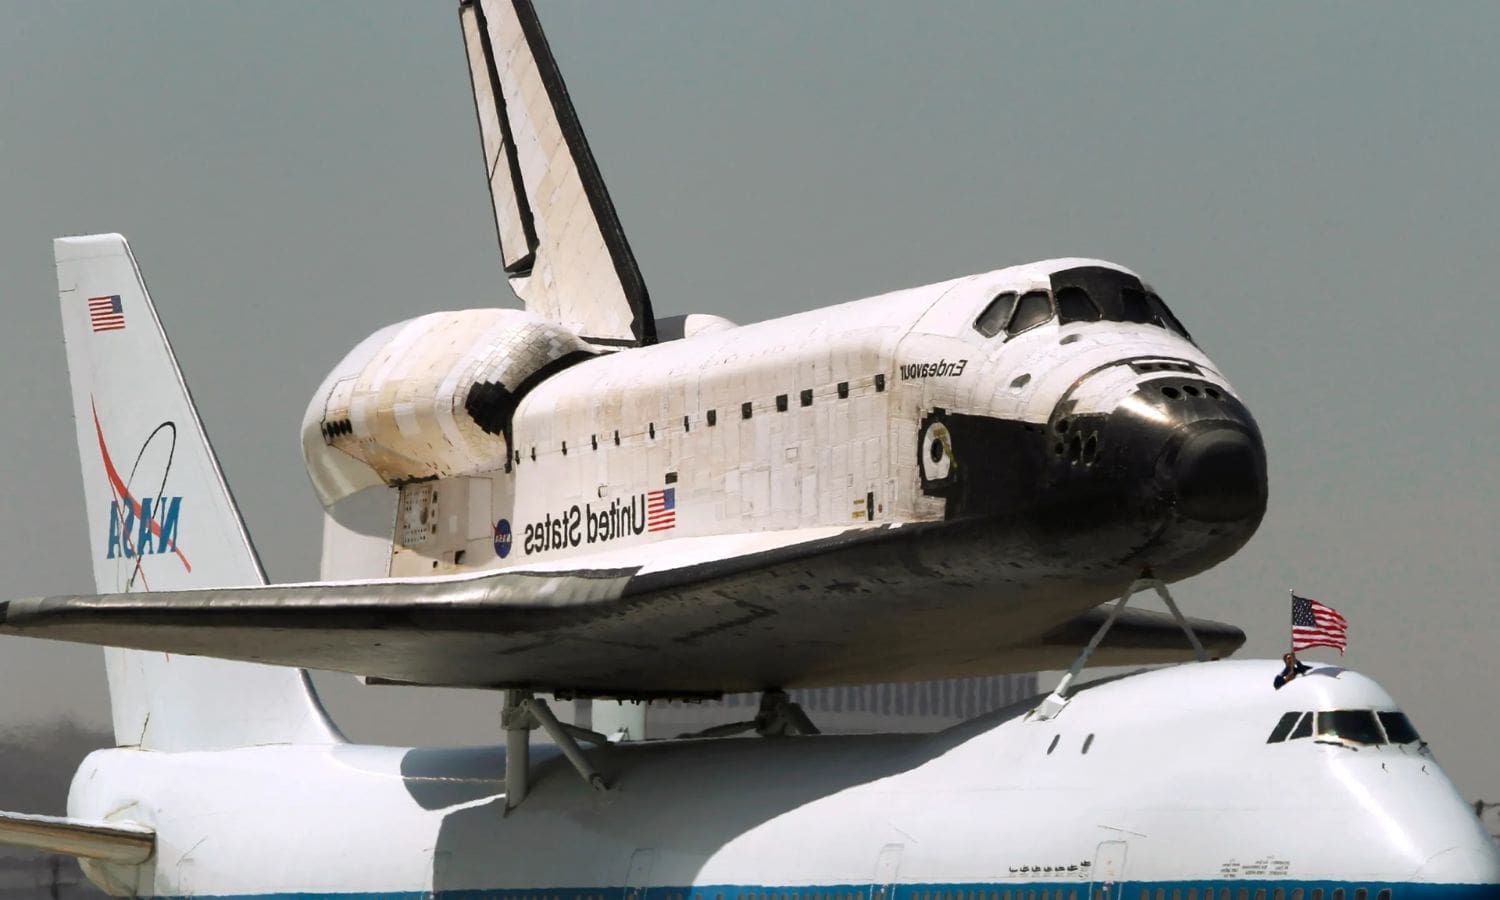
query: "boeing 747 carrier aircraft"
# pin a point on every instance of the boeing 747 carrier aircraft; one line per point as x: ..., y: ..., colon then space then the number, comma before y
x: 941, y: 481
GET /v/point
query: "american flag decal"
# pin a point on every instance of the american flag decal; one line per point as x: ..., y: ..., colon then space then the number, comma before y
x: 661, y: 510
x: 106, y: 313
x: 1316, y: 625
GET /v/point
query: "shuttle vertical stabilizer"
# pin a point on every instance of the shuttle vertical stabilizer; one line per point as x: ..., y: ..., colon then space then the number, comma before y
x: 564, y: 249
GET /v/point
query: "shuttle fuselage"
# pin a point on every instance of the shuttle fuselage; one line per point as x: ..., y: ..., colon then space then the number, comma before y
x: 1078, y: 426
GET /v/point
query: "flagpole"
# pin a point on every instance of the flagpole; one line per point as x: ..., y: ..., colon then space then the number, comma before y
x: 1291, y: 641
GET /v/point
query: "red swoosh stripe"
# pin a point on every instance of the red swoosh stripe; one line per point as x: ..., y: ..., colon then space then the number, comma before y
x: 122, y: 492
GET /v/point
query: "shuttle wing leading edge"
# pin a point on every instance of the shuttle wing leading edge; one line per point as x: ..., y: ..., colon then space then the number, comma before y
x: 563, y: 247
x: 706, y: 623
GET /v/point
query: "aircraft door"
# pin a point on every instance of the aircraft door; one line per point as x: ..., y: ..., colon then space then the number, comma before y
x: 1108, y: 871
x: 887, y: 865
x: 640, y: 874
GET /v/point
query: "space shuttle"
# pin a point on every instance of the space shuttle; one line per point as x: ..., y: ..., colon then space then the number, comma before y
x: 585, y: 500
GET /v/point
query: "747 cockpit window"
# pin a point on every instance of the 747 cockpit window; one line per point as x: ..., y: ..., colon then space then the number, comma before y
x: 1357, y: 725
x: 1398, y: 728
x: 1283, y: 727
x: 1291, y: 726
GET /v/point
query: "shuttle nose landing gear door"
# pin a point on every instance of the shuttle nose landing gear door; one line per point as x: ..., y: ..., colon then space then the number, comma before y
x: 884, y: 885
x: 1108, y: 871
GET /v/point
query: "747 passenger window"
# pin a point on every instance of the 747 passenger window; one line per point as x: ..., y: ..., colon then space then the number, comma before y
x: 1034, y: 308
x: 993, y: 318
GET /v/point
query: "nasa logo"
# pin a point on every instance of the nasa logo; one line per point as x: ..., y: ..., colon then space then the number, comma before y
x: 502, y: 538
x: 147, y: 526
x: 138, y: 529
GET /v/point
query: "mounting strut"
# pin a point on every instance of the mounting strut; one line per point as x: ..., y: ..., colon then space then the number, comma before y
x: 1182, y: 622
x: 522, y: 713
x: 517, y: 724
x: 1058, y: 699
x: 778, y: 717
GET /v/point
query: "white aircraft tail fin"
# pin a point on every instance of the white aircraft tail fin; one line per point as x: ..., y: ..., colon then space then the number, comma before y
x: 563, y: 247
x: 160, y: 516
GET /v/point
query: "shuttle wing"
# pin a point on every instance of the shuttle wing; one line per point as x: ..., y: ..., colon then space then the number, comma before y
x: 693, y: 617
x: 105, y: 841
x: 560, y: 239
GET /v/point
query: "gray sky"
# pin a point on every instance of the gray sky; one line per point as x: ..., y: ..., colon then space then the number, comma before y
x: 1312, y: 187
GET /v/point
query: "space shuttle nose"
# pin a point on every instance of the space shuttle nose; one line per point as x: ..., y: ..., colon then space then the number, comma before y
x: 1176, y: 469
x: 1220, y: 475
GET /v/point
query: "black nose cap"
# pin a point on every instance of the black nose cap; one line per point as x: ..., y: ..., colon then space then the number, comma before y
x: 1221, y: 476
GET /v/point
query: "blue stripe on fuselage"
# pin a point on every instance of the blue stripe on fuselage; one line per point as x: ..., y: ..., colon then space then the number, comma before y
x: 1073, y: 889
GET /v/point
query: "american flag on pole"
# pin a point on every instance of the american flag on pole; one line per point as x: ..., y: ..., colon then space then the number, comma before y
x: 661, y: 510
x: 106, y: 313
x: 1316, y: 625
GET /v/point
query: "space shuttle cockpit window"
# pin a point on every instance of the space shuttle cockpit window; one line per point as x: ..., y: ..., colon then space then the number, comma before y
x: 1354, y: 725
x: 1075, y: 305
x: 1034, y: 308
x: 1164, y: 316
x: 993, y: 318
x: 1134, y: 308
